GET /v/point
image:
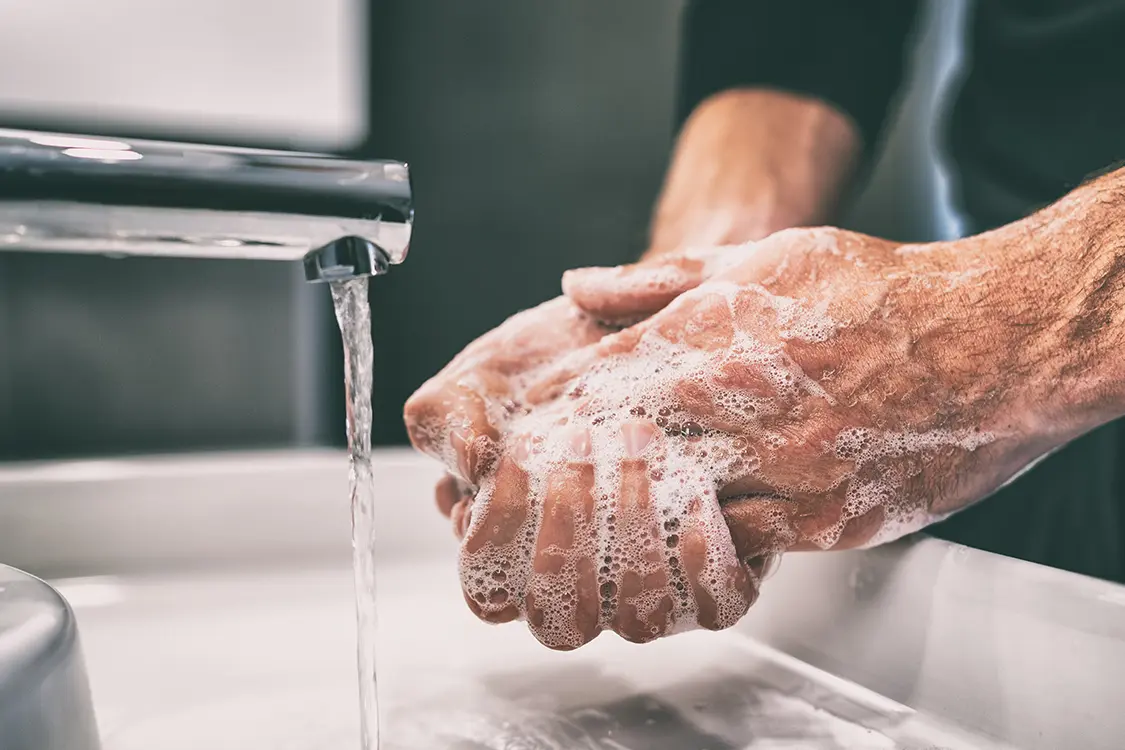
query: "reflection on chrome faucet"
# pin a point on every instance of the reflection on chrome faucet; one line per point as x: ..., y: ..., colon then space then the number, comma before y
x: 69, y: 193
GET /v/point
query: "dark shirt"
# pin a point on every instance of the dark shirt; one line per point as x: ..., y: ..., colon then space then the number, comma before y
x: 1041, y: 107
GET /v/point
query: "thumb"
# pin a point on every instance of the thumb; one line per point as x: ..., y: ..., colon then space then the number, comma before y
x: 626, y: 294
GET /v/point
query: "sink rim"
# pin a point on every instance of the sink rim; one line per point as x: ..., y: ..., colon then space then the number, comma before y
x: 34, y: 640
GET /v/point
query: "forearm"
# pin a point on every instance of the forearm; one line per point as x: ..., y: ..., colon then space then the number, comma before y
x: 1088, y: 226
x: 1063, y: 280
x: 750, y: 162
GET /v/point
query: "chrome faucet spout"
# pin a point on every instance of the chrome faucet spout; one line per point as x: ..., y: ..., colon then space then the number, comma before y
x: 346, y: 258
x: 68, y: 193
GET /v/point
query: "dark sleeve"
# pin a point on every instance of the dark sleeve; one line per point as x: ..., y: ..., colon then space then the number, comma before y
x: 849, y: 53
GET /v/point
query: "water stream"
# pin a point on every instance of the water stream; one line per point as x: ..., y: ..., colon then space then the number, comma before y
x: 354, y: 316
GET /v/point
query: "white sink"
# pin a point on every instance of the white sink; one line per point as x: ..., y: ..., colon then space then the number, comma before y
x: 214, y: 600
x: 267, y: 660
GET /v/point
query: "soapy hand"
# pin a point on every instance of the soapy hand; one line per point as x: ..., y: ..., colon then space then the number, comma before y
x: 459, y: 414
x: 836, y: 390
x: 816, y: 390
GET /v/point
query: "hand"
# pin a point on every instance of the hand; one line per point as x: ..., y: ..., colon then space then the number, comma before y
x: 459, y: 414
x: 817, y: 390
x: 784, y: 159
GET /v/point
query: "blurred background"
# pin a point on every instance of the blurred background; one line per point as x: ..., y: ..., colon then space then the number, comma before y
x: 537, y: 135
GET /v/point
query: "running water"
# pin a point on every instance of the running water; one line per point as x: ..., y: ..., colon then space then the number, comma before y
x: 354, y: 315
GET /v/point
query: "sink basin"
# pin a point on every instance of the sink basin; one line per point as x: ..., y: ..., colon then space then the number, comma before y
x: 44, y: 696
x: 267, y: 660
x: 214, y: 597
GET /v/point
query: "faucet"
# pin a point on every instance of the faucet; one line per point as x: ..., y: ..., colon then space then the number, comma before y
x: 69, y: 193
x: 66, y: 193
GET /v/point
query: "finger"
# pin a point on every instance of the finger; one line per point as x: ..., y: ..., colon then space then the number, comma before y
x: 449, y: 421
x: 461, y: 515
x: 764, y: 527
x: 721, y: 588
x: 522, y: 343
x: 641, y: 591
x: 562, y: 599
x: 474, y: 392
x: 554, y: 328
x: 496, y: 549
x: 631, y: 293
x: 760, y: 528
x: 822, y: 517
x: 474, y: 453
x: 522, y: 332
x: 558, y: 379
x: 857, y: 507
x: 862, y: 529
x: 701, y: 321
x: 449, y: 492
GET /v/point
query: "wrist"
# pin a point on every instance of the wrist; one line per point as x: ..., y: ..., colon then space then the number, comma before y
x: 750, y: 162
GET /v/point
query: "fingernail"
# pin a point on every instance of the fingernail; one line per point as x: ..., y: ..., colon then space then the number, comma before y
x: 521, y: 450
x: 580, y: 275
x: 580, y: 442
x: 572, y: 276
x: 636, y: 436
x: 462, y: 439
x: 461, y: 516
